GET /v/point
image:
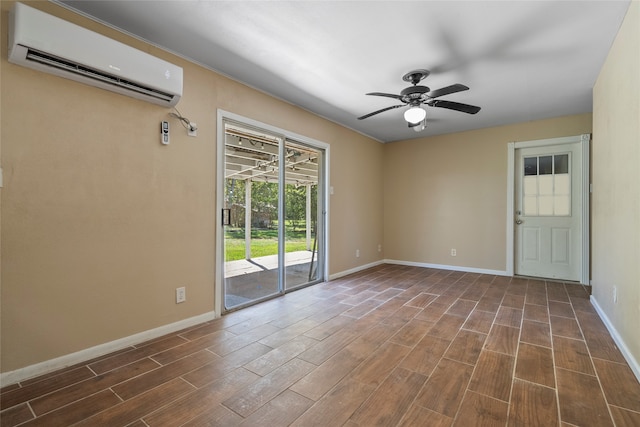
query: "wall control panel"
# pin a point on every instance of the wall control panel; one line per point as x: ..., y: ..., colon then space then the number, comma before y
x: 164, y: 133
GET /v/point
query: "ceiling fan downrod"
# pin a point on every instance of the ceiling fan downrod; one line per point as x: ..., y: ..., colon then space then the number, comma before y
x: 416, y: 76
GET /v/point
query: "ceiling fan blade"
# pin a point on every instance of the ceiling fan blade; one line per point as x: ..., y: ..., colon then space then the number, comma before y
x: 388, y: 95
x: 447, y: 90
x: 380, y: 111
x: 465, y: 108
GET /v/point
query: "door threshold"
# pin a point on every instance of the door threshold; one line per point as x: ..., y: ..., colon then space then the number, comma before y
x: 548, y: 279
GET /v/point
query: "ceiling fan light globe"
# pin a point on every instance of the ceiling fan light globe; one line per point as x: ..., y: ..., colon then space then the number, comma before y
x: 415, y: 115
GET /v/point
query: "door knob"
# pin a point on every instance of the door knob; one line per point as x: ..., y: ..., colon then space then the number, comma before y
x: 518, y: 221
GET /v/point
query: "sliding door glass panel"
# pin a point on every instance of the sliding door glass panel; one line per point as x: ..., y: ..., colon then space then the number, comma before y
x: 251, y: 200
x: 273, y: 215
x: 302, y: 216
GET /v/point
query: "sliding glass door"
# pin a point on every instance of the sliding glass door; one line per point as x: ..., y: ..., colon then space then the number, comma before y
x: 302, y: 218
x: 272, y: 215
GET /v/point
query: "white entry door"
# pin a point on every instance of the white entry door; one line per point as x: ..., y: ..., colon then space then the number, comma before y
x: 548, y: 212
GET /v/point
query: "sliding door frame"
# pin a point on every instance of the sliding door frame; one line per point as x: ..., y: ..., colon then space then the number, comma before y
x: 223, y: 116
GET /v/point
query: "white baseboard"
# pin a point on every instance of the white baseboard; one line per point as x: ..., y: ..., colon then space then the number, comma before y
x: 447, y: 267
x: 631, y: 360
x: 12, y: 377
x: 354, y: 270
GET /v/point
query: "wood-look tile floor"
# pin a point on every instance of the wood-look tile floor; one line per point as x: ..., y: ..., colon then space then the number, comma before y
x: 389, y: 346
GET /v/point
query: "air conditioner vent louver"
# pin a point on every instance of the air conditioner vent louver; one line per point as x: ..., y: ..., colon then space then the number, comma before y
x: 52, y: 45
x: 52, y: 61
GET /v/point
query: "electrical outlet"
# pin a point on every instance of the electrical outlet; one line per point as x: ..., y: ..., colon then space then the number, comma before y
x: 454, y: 252
x: 379, y: 248
x: 615, y: 294
x: 357, y: 253
x: 181, y: 295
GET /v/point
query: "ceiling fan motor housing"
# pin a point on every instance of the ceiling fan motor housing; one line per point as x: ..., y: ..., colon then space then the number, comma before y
x: 414, y: 93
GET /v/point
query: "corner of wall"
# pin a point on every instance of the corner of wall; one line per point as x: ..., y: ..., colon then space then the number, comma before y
x: 629, y: 357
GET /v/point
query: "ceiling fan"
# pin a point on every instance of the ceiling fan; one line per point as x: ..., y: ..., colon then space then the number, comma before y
x: 414, y: 96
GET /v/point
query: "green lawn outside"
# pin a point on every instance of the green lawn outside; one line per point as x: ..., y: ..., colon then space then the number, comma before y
x: 263, y: 242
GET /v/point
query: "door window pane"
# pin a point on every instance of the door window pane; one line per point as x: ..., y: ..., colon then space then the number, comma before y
x: 530, y: 185
x: 530, y: 166
x: 545, y: 205
x: 562, y: 184
x: 546, y: 166
x: 561, y: 163
x: 546, y: 186
x: 530, y: 205
x: 561, y: 205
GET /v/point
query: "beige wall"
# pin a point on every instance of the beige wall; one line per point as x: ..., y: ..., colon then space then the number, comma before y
x: 616, y: 186
x: 450, y: 191
x: 100, y: 222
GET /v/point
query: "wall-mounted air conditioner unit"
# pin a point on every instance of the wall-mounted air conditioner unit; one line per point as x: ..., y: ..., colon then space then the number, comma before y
x: 47, y: 43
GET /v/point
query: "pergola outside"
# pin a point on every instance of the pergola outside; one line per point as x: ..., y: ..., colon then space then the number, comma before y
x: 254, y: 157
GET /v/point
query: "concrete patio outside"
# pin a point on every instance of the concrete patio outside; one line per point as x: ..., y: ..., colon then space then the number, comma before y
x: 256, y: 278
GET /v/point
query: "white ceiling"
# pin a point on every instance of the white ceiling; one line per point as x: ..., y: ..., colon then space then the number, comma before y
x: 523, y: 60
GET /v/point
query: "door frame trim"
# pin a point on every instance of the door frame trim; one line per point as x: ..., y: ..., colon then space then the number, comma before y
x: 585, y: 189
x: 220, y: 160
